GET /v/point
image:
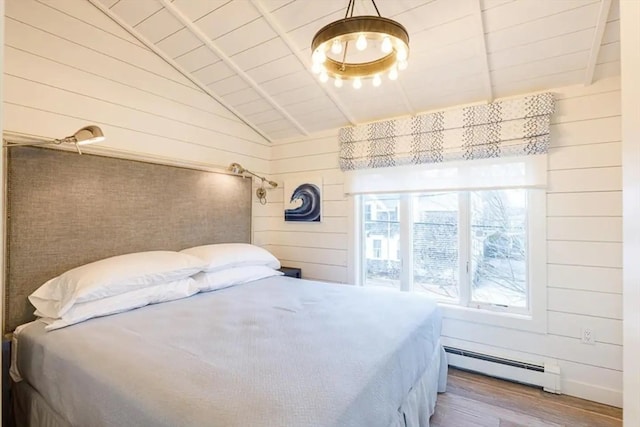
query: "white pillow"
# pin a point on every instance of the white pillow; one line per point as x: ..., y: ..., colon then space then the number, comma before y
x: 123, y: 302
x: 112, y: 276
x: 233, y: 276
x: 225, y: 255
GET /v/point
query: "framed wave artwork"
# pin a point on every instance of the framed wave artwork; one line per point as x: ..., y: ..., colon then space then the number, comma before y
x: 303, y: 200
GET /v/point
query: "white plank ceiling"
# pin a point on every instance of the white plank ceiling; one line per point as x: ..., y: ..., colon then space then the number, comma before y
x: 253, y: 56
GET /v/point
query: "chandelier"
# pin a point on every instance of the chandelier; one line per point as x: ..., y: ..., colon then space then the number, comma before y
x: 381, y: 47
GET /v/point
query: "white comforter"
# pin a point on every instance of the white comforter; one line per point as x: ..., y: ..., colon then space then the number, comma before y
x: 275, y: 352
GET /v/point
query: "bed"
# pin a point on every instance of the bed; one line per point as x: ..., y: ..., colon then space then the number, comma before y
x: 275, y: 351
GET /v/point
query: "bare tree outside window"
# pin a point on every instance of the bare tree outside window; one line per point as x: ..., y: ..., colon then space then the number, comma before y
x: 499, y: 247
x: 435, y: 244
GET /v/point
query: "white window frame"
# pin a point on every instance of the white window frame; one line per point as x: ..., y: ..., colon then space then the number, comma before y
x: 533, y: 319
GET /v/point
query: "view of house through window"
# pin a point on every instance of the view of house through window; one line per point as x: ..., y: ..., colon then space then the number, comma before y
x: 467, y: 248
x: 382, y: 240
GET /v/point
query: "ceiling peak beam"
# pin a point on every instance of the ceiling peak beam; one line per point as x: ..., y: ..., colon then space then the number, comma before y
x: 483, y: 54
x: 275, y: 26
x: 227, y: 60
x: 598, y: 35
x: 147, y: 43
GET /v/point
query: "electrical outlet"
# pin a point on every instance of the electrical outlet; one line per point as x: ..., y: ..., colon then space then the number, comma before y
x: 588, y: 337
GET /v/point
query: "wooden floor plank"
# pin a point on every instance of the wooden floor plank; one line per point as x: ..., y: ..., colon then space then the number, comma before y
x: 570, y: 401
x: 458, y: 403
x: 477, y: 400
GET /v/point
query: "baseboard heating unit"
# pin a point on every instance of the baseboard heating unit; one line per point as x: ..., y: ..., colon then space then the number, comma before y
x: 546, y: 375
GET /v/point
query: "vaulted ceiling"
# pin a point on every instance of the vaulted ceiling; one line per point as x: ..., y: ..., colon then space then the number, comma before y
x: 254, y: 56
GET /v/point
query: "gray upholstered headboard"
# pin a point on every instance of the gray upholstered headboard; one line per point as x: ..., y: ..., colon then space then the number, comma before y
x: 65, y: 210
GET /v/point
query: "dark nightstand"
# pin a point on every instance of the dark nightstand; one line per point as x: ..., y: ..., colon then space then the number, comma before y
x: 292, y: 272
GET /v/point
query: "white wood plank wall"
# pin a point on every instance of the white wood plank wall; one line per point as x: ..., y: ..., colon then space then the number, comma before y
x: 584, y: 226
x: 67, y: 65
x: 320, y: 248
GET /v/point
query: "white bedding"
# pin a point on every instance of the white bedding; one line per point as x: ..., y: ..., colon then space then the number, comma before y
x: 274, y: 352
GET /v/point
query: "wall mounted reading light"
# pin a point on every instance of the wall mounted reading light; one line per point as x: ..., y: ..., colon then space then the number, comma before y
x: 261, y: 192
x: 87, y: 135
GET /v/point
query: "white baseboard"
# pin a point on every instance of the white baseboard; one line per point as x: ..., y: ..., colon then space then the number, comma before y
x: 592, y: 392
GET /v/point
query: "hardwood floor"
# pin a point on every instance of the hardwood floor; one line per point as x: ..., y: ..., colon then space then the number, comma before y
x: 474, y: 400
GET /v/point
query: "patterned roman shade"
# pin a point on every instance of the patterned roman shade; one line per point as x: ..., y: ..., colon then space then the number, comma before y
x: 500, y: 129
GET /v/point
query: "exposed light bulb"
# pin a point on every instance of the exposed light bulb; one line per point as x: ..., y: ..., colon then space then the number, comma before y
x: 357, y: 83
x: 324, y: 76
x: 318, y: 56
x: 401, y: 55
x: 377, y: 80
x: 393, y: 74
x: 337, y: 82
x: 316, y: 68
x: 402, y: 65
x: 386, y: 47
x: 336, y: 47
x: 361, y: 43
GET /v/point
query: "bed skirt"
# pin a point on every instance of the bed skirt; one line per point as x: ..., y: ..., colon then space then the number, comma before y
x: 32, y: 410
x: 420, y: 403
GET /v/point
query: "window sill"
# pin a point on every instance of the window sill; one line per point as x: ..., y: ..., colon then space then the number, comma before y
x: 525, y: 322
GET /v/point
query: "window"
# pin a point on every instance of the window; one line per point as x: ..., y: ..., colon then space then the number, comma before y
x: 393, y: 214
x: 382, y: 235
x: 470, y: 248
x: 499, y: 247
x: 435, y: 244
x: 377, y: 248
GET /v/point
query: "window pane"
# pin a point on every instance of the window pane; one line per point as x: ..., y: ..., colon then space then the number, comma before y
x: 381, y: 240
x: 435, y: 245
x: 499, y: 247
